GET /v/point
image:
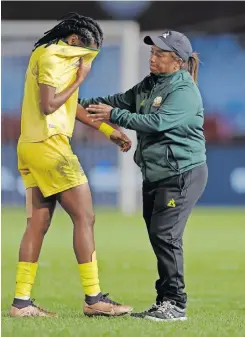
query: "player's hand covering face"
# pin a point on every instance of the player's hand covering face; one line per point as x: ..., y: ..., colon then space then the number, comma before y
x: 99, y: 112
x: 83, y: 70
x: 89, y: 56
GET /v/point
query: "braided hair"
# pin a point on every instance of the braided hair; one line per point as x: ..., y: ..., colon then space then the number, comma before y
x: 85, y: 27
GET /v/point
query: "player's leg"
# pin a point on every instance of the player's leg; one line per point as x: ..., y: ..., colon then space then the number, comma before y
x: 39, y: 215
x: 57, y: 171
x: 77, y: 202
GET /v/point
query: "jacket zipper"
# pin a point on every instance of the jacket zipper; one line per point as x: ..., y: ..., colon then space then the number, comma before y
x: 140, y: 143
x: 142, y: 160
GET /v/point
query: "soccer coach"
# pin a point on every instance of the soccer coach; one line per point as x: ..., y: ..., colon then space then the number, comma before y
x: 166, y: 110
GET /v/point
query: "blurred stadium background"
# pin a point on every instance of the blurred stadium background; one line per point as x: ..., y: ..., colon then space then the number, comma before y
x: 214, y: 241
x: 217, y: 35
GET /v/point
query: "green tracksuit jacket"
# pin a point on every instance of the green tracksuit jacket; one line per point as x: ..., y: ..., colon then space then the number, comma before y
x: 166, y: 111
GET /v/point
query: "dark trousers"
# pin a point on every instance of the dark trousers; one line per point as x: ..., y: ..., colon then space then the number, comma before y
x: 167, y: 205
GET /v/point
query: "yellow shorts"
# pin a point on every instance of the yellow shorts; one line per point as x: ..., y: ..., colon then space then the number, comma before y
x: 51, y: 165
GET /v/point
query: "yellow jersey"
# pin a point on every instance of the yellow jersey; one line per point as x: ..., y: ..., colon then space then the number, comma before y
x: 56, y: 66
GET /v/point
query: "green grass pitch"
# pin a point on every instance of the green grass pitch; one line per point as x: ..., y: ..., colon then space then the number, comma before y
x: 214, y: 264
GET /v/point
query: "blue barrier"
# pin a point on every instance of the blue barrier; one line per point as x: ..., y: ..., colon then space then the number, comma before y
x: 226, y: 183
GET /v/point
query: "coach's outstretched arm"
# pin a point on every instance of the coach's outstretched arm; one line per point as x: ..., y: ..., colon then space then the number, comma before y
x: 171, y: 114
x: 176, y: 110
x: 125, y: 100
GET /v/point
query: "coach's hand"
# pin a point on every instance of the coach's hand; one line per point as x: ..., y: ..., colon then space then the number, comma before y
x: 120, y: 139
x: 83, y: 70
x: 99, y: 112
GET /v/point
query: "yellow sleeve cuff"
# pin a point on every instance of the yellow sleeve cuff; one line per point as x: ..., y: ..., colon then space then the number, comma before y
x: 106, y: 129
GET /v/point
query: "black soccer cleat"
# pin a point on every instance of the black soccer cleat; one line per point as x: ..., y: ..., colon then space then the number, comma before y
x: 164, y: 311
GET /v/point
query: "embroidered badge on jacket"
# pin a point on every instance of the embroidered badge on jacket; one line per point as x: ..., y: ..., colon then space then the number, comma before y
x: 157, y: 101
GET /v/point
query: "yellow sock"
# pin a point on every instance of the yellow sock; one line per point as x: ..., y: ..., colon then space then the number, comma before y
x: 89, y: 277
x: 25, y: 277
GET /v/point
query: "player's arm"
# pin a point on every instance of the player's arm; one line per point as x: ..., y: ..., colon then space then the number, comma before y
x: 82, y: 117
x: 116, y: 136
x: 49, y: 99
x: 125, y: 100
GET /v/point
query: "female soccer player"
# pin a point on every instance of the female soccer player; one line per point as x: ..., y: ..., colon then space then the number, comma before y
x: 51, y: 172
x: 166, y: 110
